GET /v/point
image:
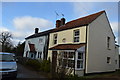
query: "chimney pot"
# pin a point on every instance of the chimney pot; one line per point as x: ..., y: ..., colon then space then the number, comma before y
x: 58, y: 23
x: 36, y: 30
x: 62, y: 21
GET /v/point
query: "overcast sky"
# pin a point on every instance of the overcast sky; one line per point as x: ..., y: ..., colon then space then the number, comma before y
x: 20, y: 18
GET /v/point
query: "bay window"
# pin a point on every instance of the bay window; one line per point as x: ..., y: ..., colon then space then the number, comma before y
x: 80, y: 60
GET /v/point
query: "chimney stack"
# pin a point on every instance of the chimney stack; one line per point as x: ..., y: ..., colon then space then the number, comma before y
x: 36, y: 30
x: 58, y: 23
x: 62, y: 21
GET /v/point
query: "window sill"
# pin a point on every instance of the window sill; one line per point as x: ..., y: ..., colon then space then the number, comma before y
x: 80, y: 69
x: 109, y: 49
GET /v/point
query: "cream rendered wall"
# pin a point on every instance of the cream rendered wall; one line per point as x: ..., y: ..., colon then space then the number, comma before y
x: 117, y: 56
x: 68, y: 34
x: 97, y: 52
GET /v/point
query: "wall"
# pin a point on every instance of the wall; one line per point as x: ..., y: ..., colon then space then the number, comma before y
x: 97, y: 51
x: 68, y: 34
x: 117, y: 56
x: 38, y: 46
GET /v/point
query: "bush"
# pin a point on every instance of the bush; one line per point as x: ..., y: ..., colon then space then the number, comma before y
x: 22, y: 60
x: 38, y: 65
x: 35, y: 64
x: 45, y: 66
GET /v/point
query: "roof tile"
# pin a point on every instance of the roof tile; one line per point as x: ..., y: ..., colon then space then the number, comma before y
x: 69, y: 25
x: 67, y: 46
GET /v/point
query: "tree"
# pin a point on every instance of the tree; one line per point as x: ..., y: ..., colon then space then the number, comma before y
x: 20, y: 49
x: 5, y: 41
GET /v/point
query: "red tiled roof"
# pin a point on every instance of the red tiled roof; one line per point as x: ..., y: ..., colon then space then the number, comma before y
x: 32, y: 47
x: 69, y: 25
x: 67, y: 46
x: 79, y: 22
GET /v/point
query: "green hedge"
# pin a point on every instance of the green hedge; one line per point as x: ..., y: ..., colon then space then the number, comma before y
x: 45, y: 66
x: 35, y: 64
x: 38, y: 65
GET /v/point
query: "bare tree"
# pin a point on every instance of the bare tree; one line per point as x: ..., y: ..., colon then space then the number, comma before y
x: 5, y: 40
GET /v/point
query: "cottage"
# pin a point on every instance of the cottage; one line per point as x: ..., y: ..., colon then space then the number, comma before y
x: 36, y: 45
x: 83, y: 46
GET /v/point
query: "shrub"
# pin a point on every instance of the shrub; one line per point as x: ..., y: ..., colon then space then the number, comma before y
x: 22, y: 60
x: 35, y: 64
x: 45, y: 66
x: 38, y: 65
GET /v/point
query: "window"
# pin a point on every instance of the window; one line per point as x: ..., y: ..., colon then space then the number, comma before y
x: 70, y: 55
x: 71, y: 63
x: 80, y: 55
x: 29, y: 42
x: 55, y: 39
x: 79, y: 64
x: 76, y: 35
x: 26, y: 53
x: 108, y: 42
x: 39, y: 54
x: 68, y: 60
x: 64, y: 62
x: 40, y: 40
x: 80, y: 60
x: 115, y: 61
x: 65, y: 54
x: 108, y: 60
x: 32, y: 55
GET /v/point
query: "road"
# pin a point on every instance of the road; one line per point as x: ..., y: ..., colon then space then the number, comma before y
x: 26, y: 74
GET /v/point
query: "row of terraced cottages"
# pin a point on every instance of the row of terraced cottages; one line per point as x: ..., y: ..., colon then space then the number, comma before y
x: 85, y: 45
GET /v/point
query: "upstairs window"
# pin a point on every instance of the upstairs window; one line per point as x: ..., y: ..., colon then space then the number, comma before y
x: 76, y: 35
x: 55, y: 39
x: 108, y: 42
x: 40, y: 40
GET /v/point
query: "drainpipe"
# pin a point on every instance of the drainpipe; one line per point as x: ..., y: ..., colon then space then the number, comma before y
x: 85, y: 50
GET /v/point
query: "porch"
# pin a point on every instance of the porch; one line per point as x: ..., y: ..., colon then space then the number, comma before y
x: 69, y: 58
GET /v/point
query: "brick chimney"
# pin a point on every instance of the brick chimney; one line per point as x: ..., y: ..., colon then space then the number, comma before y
x: 36, y: 30
x: 62, y: 21
x: 58, y: 23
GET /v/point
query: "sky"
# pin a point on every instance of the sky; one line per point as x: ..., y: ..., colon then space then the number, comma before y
x: 20, y: 18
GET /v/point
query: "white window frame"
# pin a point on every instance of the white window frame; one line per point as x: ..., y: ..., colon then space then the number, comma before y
x: 39, y: 55
x: 76, y: 36
x: 79, y: 60
x: 68, y: 57
x: 41, y: 40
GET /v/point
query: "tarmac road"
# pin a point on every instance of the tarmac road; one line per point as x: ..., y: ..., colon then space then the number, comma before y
x: 26, y: 74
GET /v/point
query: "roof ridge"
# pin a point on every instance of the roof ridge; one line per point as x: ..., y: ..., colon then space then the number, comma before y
x: 100, y: 12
